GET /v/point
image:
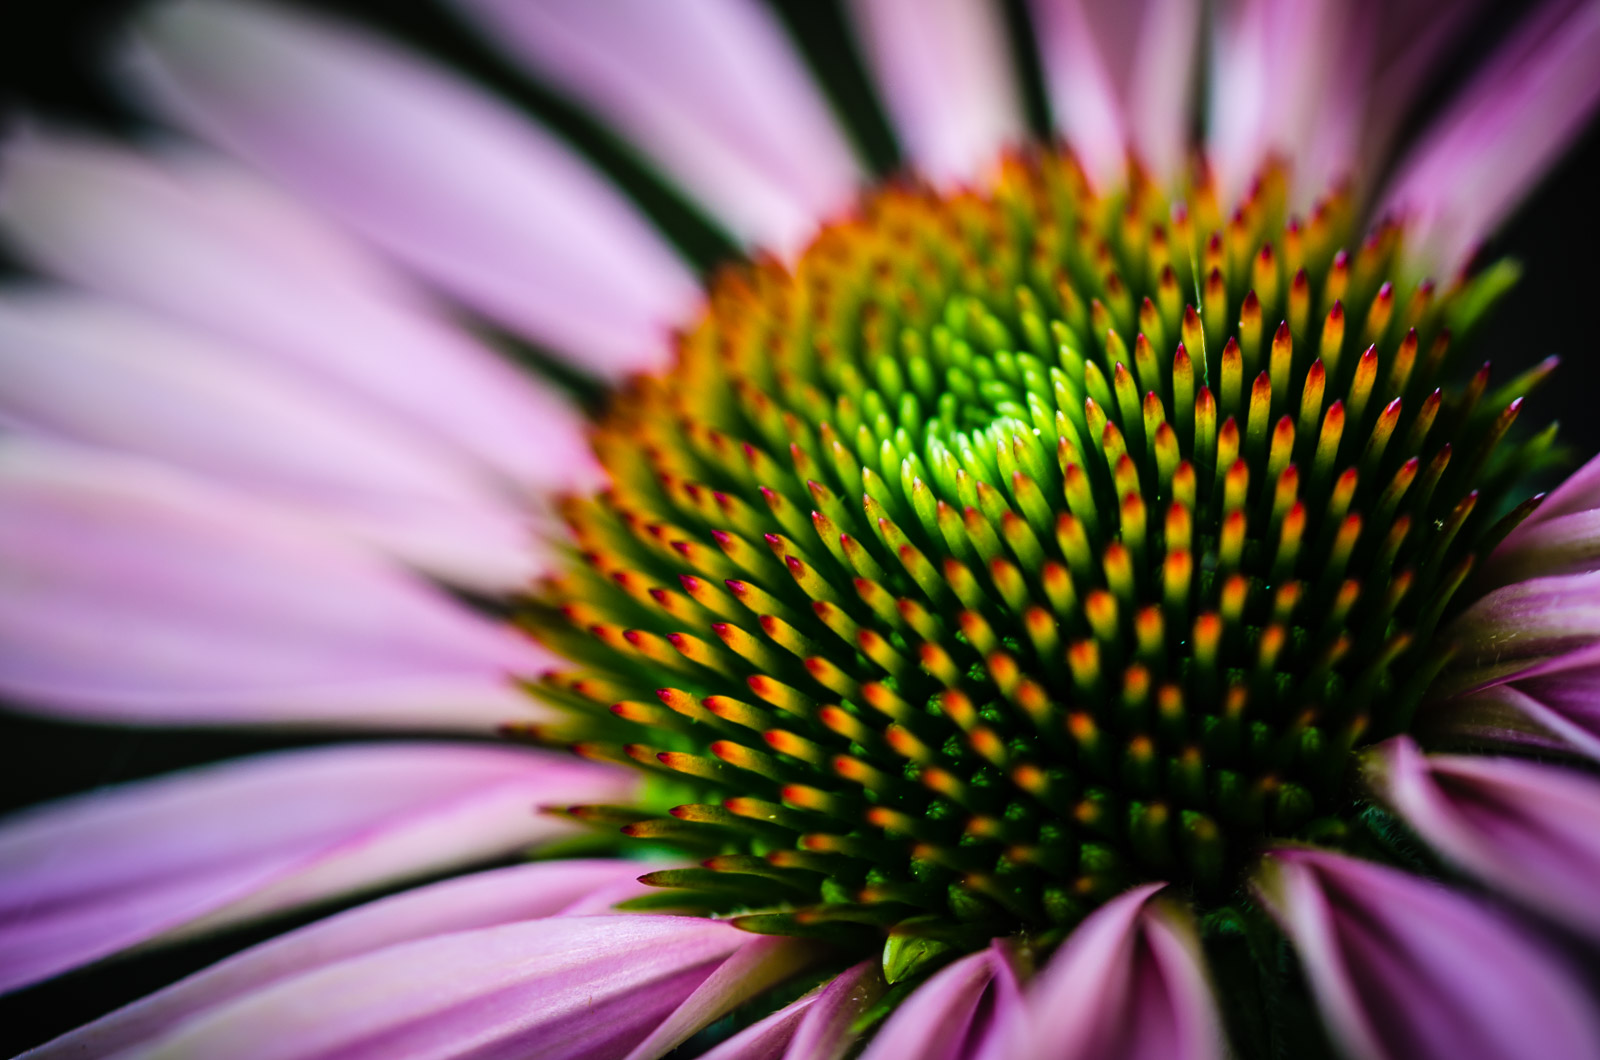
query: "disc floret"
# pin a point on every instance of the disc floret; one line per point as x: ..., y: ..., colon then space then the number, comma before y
x: 1017, y: 545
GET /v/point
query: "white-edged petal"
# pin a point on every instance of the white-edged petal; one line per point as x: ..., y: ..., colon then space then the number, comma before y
x: 91, y: 875
x: 450, y: 182
x: 498, y: 896
x: 945, y: 73
x: 79, y: 368
x: 712, y: 90
x: 132, y: 593
x: 196, y: 239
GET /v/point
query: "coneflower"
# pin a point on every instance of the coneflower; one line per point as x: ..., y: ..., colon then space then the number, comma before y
x: 1085, y: 599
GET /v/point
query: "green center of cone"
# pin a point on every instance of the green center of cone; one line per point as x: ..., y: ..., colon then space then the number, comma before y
x: 1019, y: 545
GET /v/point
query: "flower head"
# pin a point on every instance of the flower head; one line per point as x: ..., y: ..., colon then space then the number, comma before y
x: 1019, y: 610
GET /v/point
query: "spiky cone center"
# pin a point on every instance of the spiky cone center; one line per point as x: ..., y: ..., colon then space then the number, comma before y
x: 1021, y: 544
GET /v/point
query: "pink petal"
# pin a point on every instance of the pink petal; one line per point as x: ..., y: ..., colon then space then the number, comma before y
x: 131, y: 593
x: 501, y: 896
x: 1403, y: 967
x: 945, y: 1018
x: 1129, y: 982
x: 198, y: 240
x: 814, y: 1027
x: 556, y: 988
x: 1500, y: 137
x: 91, y: 372
x: 825, y: 1033
x: 1288, y: 81
x: 749, y: 973
x: 712, y: 90
x: 1559, y: 696
x: 944, y: 70
x: 1519, y: 626
x: 1119, y: 78
x: 89, y: 876
x: 1532, y: 830
x: 453, y: 184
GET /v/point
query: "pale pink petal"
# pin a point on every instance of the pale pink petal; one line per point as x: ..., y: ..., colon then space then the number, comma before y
x: 1530, y: 829
x: 1129, y: 982
x: 749, y: 973
x: 132, y: 593
x: 1403, y: 967
x: 92, y: 875
x: 712, y: 90
x: 564, y: 987
x: 952, y: 1015
x: 198, y: 240
x: 1119, y: 77
x: 500, y: 896
x: 78, y: 368
x: 1287, y: 80
x: 1496, y: 142
x: 944, y: 71
x: 453, y: 184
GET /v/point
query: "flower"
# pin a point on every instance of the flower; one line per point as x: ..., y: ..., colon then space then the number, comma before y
x: 1179, y: 673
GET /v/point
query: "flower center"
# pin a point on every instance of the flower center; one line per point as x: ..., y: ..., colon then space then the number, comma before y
x: 1008, y: 550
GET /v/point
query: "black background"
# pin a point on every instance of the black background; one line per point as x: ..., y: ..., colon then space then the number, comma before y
x: 52, y: 63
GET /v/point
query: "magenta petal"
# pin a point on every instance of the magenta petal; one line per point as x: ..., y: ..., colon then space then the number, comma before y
x: 501, y: 896
x: 945, y: 74
x: 711, y: 90
x: 200, y: 241
x: 1405, y: 968
x: 450, y: 182
x: 1532, y: 830
x: 1492, y: 146
x: 91, y: 875
x: 1129, y: 982
x: 1523, y: 625
x: 564, y: 987
x: 135, y: 594
x: 954, y: 1013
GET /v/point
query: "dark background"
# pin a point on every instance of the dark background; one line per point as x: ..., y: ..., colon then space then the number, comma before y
x: 51, y: 63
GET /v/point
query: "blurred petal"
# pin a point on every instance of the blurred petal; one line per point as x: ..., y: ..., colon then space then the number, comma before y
x: 944, y: 70
x: 752, y: 971
x: 711, y: 89
x: 199, y: 241
x: 484, y: 899
x: 135, y: 594
x: 1129, y: 982
x: 1530, y: 829
x: 1405, y: 968
x: 453, y: 184
x: 94, y: 874
x: 954, y: 1012
x: 82, y: 369
x: 1500, y: 137
x: 1119, y: 78
x: 1282, y: 80
x: 555, y: 988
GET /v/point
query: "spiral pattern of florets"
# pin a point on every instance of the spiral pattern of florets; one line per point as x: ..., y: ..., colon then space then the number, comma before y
x: 1018, y: 545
